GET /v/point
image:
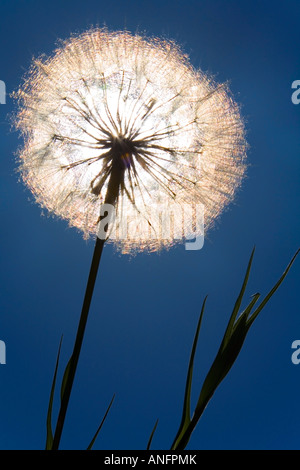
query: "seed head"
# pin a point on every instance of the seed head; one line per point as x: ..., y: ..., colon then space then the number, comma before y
x: 126, y: 120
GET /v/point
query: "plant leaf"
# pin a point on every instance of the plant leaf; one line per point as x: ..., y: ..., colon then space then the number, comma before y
x: 237, y: 303
x: 49, y: 438
x: 100, y: 426
x: 231, y: 345
x: 272, y: 291
x: 65, y: 378
x: 151, y: 435
x: 186, y: 418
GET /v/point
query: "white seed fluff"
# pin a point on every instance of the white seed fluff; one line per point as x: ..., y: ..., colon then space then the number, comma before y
x: 105, y: 99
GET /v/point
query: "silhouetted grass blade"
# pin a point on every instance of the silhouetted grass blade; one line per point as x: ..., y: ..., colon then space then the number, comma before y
x: 238, y: 302
x: 101, y: 424
x: 65, y: 378
x: 49, y: 438
x: 272, y: 291
x: 152, y: 434
x: 233, y: 340
x: 186, y: 414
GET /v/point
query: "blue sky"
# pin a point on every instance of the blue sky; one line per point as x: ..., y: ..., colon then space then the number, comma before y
x: 145, y: 309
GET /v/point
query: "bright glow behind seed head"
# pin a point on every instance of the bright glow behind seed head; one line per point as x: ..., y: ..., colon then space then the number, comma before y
x: 182, y: 135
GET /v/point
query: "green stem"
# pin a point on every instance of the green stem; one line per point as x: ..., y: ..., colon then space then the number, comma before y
x: 78, y: 342
x: 115, y: 182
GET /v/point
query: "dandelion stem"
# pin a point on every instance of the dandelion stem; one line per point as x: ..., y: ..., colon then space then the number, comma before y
x: 78, y: 342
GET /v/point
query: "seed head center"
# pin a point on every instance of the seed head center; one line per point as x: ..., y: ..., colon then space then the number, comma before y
x: 122, y: 150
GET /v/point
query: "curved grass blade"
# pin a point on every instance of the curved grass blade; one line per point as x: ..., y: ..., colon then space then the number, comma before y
x: 225, y: 359
x: 151, y: 435
x: 238, y: 302
x: 223, y: 362
x: 101, y: 424
x: 49, y: 438
x: 269, y: 295
x: 186, y: 414
x: 231, y: 345
x: 65, y: 378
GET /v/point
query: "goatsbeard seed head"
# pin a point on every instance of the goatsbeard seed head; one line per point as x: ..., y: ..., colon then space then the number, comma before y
x: 115, y: 102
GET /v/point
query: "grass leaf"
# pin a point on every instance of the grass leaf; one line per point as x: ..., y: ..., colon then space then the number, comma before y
x: 273, y: 290
x: 65, y: 378
x: 238, y: 302
x: 228, y: 352
x: 100, y: 426
x: 49, y: 437
x: 151, y: 435
x: 186, y: 418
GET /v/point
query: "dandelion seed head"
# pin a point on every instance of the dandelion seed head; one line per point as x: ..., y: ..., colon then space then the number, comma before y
x: 114, y: 103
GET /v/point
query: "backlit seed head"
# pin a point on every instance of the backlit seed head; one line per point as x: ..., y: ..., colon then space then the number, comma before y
x: 126, y: 120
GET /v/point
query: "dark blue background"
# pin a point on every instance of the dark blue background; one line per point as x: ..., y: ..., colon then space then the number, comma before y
x: 145, y: 309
